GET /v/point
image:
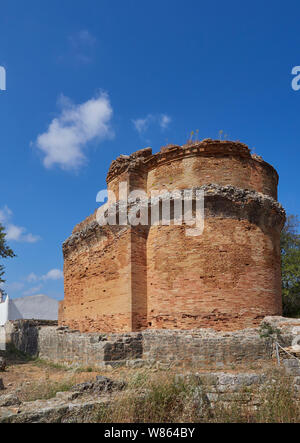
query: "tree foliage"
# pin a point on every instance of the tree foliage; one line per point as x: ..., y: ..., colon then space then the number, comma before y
x: 290, y: 266
x: 5, y: 251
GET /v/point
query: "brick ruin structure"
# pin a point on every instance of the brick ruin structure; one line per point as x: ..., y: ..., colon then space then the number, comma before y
x: 131, y: 278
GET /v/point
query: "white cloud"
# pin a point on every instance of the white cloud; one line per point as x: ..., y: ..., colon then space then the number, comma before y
x: 30, y: 238
x: 32, y: 277
x: 54, y: 274
x: 81, y: 38
x: 5, y: 215
x: 81, y: 48
x: 18, y: 233
x: 40, y: 281
x: 165, y: 120
x: 64, y: 142
x: 15, y: 286
x: 14, y: 232
x: 33, y: 291
x: 142, y: 124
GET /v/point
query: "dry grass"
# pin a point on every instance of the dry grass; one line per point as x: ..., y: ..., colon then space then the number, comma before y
x: 151, y: 398
x: 44, y: 390
x: 278, y: 403
x: 36, y: 379
x: 159, y: 398
x: 155, y: 395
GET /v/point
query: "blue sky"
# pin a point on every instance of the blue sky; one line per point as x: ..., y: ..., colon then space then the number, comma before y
x: 123, y: 75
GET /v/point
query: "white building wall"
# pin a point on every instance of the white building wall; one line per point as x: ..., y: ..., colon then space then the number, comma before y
x: 2, y: 338
x: 37, y: 307
x: 4, y: 308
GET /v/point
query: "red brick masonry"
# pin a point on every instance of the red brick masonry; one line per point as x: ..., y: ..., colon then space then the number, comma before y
x: 123, y: 278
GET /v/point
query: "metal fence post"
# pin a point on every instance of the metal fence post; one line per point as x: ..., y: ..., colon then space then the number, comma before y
x: 277, y: 353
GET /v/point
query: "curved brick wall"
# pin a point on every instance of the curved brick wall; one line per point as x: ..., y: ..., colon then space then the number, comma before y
x: 182, y: 167
x: 197, y: 170
x: 133, y: 278
x: 97, y: 264
x: 228, y: 277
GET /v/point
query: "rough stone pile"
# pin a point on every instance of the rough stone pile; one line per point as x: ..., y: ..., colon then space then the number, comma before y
x: 2, y: 364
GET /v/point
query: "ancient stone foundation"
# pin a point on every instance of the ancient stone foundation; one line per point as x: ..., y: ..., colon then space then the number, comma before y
x: 127, y: 278
x: 202, y: 348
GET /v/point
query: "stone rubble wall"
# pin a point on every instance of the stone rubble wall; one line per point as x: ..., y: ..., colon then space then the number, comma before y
x: 57, y: 410
x: 23, y: 335
x: 203, y: 348
x: 239, y: 388
x: 160, y: 348
x: 64, y: 346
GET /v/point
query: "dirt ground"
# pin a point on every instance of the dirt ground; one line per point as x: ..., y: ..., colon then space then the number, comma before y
x: 34, y: 379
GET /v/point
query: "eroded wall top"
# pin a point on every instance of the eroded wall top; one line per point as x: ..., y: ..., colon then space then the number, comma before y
x: 217, y: 162
x: 191, y: 165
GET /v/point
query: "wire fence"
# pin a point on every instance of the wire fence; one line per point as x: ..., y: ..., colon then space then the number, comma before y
x: 278, y: 346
